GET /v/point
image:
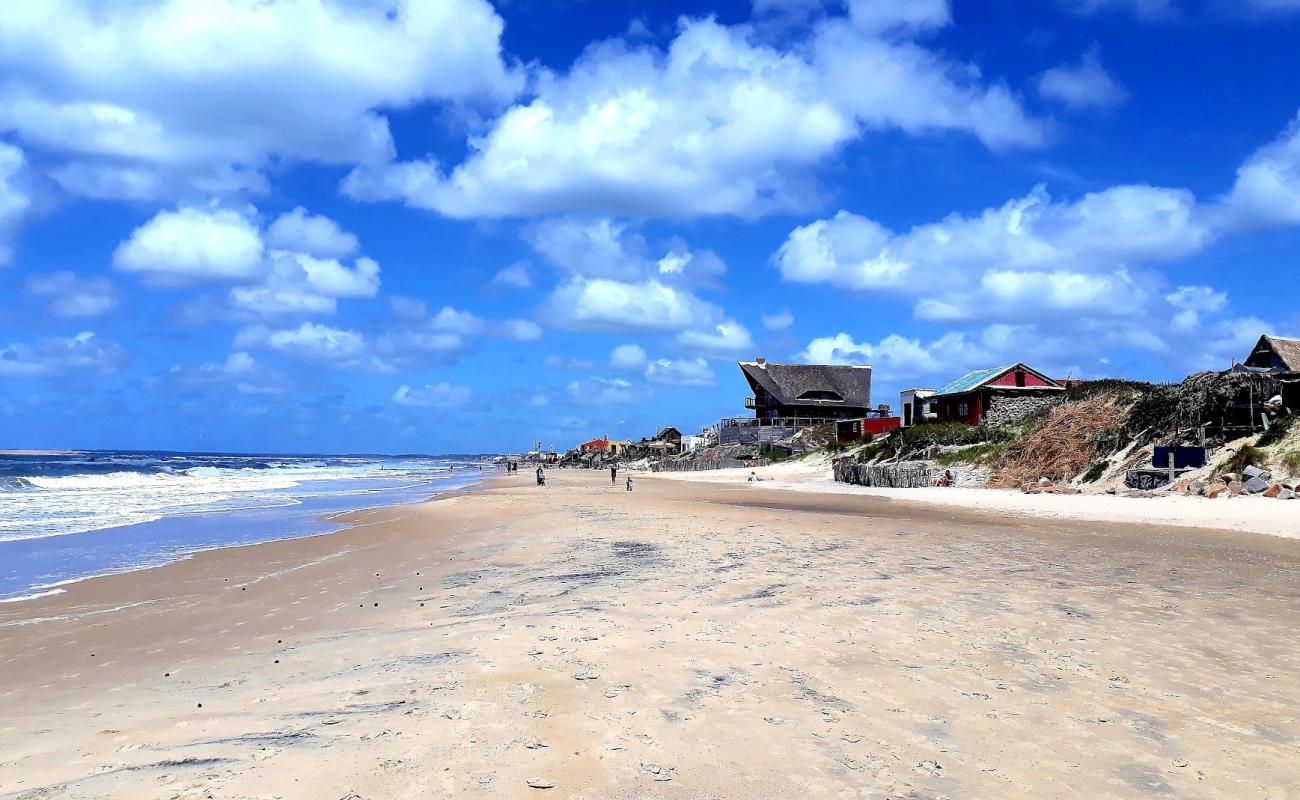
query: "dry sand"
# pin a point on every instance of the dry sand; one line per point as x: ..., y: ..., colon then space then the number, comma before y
x: 685, y: 640
x: 1255, y: 514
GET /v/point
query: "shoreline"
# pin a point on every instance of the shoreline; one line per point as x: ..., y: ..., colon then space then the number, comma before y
x: 44, y: 590
x: 806, y: 478
x: 628, y: 644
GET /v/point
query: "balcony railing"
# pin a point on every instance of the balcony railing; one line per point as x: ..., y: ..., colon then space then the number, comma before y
x: 773, y: 422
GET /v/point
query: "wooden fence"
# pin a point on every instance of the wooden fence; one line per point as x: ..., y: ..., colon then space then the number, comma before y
x: 903, y: 475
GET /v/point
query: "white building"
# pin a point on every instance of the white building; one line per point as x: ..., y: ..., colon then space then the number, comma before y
x: 915, y: 406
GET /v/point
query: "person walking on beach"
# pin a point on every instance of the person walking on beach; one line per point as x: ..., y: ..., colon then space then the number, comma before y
x: 629, y: 483
x: 541, y: 477
x: 613, y: 474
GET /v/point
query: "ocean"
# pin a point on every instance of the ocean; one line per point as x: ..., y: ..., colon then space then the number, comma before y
x: 65, y: 517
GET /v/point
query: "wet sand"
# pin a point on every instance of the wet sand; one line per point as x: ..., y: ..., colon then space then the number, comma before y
x: 685, y: 640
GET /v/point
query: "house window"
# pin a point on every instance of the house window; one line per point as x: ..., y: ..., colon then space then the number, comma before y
x: 963, y: 409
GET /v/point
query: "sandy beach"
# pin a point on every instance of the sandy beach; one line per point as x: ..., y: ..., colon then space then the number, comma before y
x: 690, y: 639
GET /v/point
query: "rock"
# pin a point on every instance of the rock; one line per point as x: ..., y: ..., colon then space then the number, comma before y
x: 1273, y: 491
x: 1255, y: 472
x: 1235, y: 487
x: 1286, y: 494
x: 1214, y: 489
x: 1255, y: 485
x: 1181, y: 486
x: 1045, y: 482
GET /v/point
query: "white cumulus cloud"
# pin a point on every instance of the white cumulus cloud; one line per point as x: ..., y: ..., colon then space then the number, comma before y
x: 1083, y: 85
x: 15, y: 201
x: 165, y: 97
x: 308, y: 233
x: 645, y: 306
x: 192, y: 245
x: 717, y: 123
x: 56, y: 355
x: 727, y: 338
x: 680, y: 372
x: 438, y: 395
x: 73, y: 296
x: 627, y: 357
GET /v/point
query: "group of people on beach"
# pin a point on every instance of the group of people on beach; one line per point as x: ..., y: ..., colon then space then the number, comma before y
x: 541, y: 474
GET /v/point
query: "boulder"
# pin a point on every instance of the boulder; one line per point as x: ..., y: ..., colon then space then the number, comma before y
x: 1046, y: 483
x: 1235, y: 487
x: 1181, y: 486
x: 1286, y: 494
x: 1255, y: 472
x: 1273, y: 491
x: 1255, y: 485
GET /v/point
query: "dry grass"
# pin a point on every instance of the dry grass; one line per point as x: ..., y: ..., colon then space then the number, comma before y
x: 1063, y: 446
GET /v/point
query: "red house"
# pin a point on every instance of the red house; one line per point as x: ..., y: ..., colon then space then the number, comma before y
x: 996, y: 396
x: 848, y: 431
x: 594, y: 446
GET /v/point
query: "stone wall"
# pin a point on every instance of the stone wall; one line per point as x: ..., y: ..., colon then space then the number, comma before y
x: 1006, y: 408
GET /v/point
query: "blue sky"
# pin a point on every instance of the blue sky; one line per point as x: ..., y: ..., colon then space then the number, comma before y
x: 310, y: 226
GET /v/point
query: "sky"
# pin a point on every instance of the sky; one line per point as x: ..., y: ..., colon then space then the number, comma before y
x: 331, y: 226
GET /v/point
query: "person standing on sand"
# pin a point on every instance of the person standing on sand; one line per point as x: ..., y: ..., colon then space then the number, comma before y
x: 613, y: 474
x: 541, y: 477
x: 629, y: 483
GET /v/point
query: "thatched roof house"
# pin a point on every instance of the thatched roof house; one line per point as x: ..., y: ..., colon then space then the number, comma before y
x: 807, y: 390
x: 1275, y: 354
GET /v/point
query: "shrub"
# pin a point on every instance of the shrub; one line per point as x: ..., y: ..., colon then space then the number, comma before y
x: 1277, y: 431
x: 941, y: 433
x: 1291, y: 461
x: 1245, y: 457
x: 976, y: 455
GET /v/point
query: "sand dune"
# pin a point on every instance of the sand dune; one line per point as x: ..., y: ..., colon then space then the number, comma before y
x: 684, y: 640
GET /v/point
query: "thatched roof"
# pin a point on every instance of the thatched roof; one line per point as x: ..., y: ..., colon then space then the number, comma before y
x: 811, y: 384
x: 1276, y: 352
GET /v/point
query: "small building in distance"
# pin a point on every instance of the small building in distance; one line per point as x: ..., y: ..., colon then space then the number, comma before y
x: 615, y: 447
x: 670, y: 435
x: 849, y: 431
x: 595, y: 446
x: 996, y: 396
x: 916, y: 406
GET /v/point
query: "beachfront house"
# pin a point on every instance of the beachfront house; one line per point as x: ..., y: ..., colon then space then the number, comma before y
x: 670, y: 435
x: 1276, y: 359
x: 1275, y: 354
x: 996, y: 396
x: 616, y: 447
x: 789, y: 397
x: 595, y: 446
x: 917, y: 406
